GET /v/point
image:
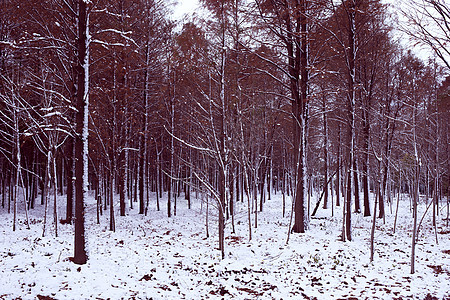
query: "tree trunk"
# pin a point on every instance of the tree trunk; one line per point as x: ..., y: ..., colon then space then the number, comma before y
x: 415, y: 200
x: 299, y: 90
x: 347, y: 208
x: 372, y: 232
x: 55, y: 189
x: 141, y: 175
x: 122, y: 183
x: 351, y: 72
x: 4, y: 186
x: 325, y: 153
x: 69, y: 167
x: 112, y: 221
x: 47, y: 191
x: 338, y: 171
x: 18, y: 165
x: 81, y: 137
x: 365, y: 158
x: 158, y: 178
x: 356, y: 184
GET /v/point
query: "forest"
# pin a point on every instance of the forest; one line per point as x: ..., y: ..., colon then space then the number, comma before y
x: 278, y: 122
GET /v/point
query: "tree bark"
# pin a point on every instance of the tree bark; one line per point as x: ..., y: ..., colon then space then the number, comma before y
x: 298, y: 66
x: 338, y: 169
x: 69, y: 167
x: 81, y: 137
x: 325, y: 153
x: 356, y: 185
x: 351, y: 71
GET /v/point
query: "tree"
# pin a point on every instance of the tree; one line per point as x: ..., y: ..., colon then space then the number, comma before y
x: 344, y: 19
x: 428, y: 23
x: 288, y: 22
x: 357, y: 39
x: 208, y: 110
x: 12, y: 114
x: 82, y: 131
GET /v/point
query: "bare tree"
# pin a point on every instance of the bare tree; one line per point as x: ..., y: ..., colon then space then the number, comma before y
x: 287, y: 24
x: 428, y: 23
x: 14, y: 110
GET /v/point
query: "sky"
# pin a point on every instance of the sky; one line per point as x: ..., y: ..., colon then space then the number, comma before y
x: 184, y: 7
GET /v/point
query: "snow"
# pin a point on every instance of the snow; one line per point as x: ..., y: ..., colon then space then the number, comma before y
x: 171, y: 258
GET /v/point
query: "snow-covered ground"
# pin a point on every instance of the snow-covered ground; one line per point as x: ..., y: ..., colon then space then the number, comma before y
x: 170, y: 258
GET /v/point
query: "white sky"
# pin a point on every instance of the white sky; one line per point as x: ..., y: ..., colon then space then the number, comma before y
x: 184, y: 7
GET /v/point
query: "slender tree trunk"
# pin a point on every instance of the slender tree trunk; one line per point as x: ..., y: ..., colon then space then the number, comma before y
x: 70, y: 166
x: 189, y: 182
x: 356, y: 184
x: 262, y: 182
x: 172, y: 153
x: 365, y: 161
x: 121, y: 181
x: 255, y: 196
x: 105, y: 188
x: 231, y: 198
x: 247, y: 192
x: 11, y: 190
x: 130, y: 185
x: 398, y: 200
x: 338, y: 166
x: 415, y: 199
x: 381, y: 212
x: 348, y: 210
x: 143, y: 138
x: 112, y: 221
x: 344, y: 212
x: 207, y: 215
x: 158, y: 178
x: 169, y: 196
x: 141, y: 176
x: 332, y: 198
x: 416, y: 184
x: 35, y: 180
x: 47, y: 190
x: 98, y: 198
x: 18, y: 165
x: 4, y: 186
x: 325, y: 153
x: 372, y: 232
x: 55, y: 189
x: 283, y: 186
x: 176, y: 188
x: 61, y: 176
x: 222, y: 162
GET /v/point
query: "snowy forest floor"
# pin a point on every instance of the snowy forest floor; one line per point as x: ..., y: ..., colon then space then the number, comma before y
x: 170, y: 258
